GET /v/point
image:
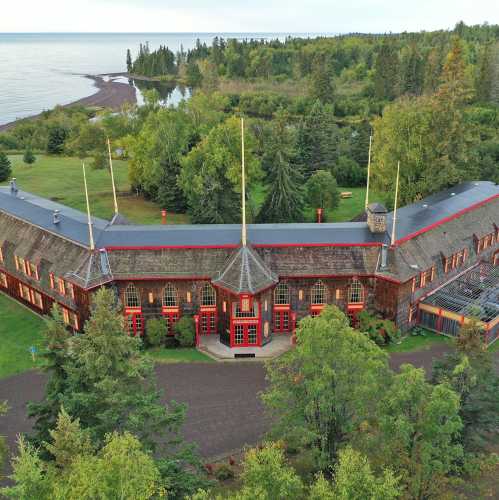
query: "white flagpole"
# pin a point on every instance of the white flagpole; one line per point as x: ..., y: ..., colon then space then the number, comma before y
x: 90, y: 230
x: 243, y: 187
x: 368, y: 170
x: 112, y: 176
x: 396, y: 203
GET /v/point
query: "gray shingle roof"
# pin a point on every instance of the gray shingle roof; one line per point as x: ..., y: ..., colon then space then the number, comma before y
x: 245, y: 272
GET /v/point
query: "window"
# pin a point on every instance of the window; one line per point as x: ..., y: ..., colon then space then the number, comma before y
x: 282, y: 321
x: 52, y: 281
x: 3, y: 280
x: 1, y: 255
x: 70, y: 318
x: 170, y: 320
x: 61, y: 286
x: 32, y: 270
x: 132, y: 298
x: 134, y: 324
x: 456, y: 260
x: 425, y: 277
x: 208, y: 297
x: 208, y: 322
x: 24, y: 292
x: 340, y: 295
x: 356, y: 292
x: 36, y: 299
x: 318, y: 295
x: 240, y: 313
x: 71, y: 290
x: 486, y: 242
x: 281, y: 294
x: 170, y: 297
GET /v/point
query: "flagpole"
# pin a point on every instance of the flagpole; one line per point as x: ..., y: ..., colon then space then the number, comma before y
x: 90, y: 230
x: 396, y: 203
x: 243, y: 187
x: 112, y: 176
x: 368, y: 170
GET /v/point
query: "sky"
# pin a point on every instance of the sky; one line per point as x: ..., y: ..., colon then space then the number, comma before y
x: 291, y: 16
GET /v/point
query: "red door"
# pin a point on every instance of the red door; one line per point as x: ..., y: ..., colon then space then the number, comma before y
x: 135, y: 324
x: 245, y: 335
x: 208, y: 322
x: 282, y: 323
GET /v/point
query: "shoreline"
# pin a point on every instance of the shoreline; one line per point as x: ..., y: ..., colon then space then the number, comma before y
x: 109, y: 94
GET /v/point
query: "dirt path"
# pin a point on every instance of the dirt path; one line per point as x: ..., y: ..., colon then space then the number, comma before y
x: 110, y: 94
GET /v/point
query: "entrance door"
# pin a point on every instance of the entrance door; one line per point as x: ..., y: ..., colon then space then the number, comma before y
x: 282, y: 321
x: 208, y: 322
x: 245, y: 335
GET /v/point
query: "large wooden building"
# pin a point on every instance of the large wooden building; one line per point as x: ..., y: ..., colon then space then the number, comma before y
x: 246, y: 294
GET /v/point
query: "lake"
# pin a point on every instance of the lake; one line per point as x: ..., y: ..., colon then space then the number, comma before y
x: 39, y: 71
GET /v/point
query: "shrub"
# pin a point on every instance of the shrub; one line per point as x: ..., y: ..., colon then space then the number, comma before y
x: 5, y: 167
x: 382, y: 331
x: 99, y: 161
x: 224, y: 472
x: 29, y: 158
x: 185, y: 331
x: 155, y: 331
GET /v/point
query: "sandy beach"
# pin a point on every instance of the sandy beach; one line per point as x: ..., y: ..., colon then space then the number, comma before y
x: 110, y: 94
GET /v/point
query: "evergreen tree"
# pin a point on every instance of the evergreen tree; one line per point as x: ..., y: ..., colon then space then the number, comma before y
x: 432, y: 72
x: 29, y: 158
x: 321, y: 81
x: 412, y: 67
x: 56, y: 139
x: 386, y: 71
x: 129, y: 64
x: 322, y: 190
x: 484, y: 81
x: 317, y: 140
x: 193, y: 75
x: 5, y: 167
x: 284, y: 201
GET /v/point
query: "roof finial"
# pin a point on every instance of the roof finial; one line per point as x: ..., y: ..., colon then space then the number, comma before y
x: 396, y: 203
x: 90, y: 230
x: 112, y: 176
x: 368, y: 170
x: 243, y: 187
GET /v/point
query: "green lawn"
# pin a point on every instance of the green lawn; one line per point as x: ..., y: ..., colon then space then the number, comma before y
x: 177, y: 355
x: 19, y: 330
x: 61, y: 179
x: 412, y: 343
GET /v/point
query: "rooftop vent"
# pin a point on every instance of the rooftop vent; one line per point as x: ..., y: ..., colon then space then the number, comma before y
x: 57, y: 217
x: 13, y: 187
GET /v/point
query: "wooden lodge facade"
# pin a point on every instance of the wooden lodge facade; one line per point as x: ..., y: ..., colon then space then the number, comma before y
x: 246, y: 294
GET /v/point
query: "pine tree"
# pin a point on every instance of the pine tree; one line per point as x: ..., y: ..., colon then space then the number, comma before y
x: 483, y: 84
x: 129, y: 64
x: 432, y: 72
x: 5, y: 167
x: 321, y: 81
x: 412, y: 67
x: 386, y: 72
x: 193, y: 75
x: 29, y: 158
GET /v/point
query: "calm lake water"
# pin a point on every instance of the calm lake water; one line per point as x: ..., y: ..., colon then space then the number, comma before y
x: 39, y: 71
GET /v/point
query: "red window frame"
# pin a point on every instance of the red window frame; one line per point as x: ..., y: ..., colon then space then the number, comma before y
x: 134, y: 323
x: 171, y: 317
x: 208, y: 321
x: 244, y: 329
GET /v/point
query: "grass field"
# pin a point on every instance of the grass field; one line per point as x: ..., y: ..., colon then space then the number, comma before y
x: 61, y: 179
x: 19, y: 330
x: 177, y: 355
x: 412, y: 343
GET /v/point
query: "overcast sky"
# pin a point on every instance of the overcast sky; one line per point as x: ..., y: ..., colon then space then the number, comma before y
x: 304, y: 16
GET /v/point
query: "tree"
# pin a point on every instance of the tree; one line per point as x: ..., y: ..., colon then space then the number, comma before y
x: 322, y: 191
x: 321, y: 81
x: 129, y: 64
x: 386, y: 71
x: 323, y: 392
x: 5, y: 167
x: 412, y: 69
x: 193, y: 75
x: 284, y: 200
x: 432, y: 72
x: 355, y: 480
x: 121, y: 469
x: 107, y: 384
x: 29, y: 158
x: 155, y: 331
x: 3, y: 442
x: 317, y: 140
x: 56, y: 138
x: 419, y: 428
x: 266, y: 475
x: 211, y: 174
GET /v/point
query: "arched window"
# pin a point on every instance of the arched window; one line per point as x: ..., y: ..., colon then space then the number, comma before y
x: 208, y: 297
x: 356, y: 292
x: 170, y: 296
x: 132, y: 298
x: 281, y: 294
x: 318, y: 295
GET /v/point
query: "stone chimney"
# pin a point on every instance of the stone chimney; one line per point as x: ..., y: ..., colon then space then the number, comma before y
x: 376, y: 218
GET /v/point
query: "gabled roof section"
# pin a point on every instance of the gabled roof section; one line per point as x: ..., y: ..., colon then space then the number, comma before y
x: 245, y: 272
x: 93, y: 271
x: 119, y: 220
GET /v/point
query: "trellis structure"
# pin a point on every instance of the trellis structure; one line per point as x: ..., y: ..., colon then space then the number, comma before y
x: 473, y: 294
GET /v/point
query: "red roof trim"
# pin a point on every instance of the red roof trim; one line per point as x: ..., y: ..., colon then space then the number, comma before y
x: 446, y: 219
x: 334, y: 276
x: 260, y: 245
